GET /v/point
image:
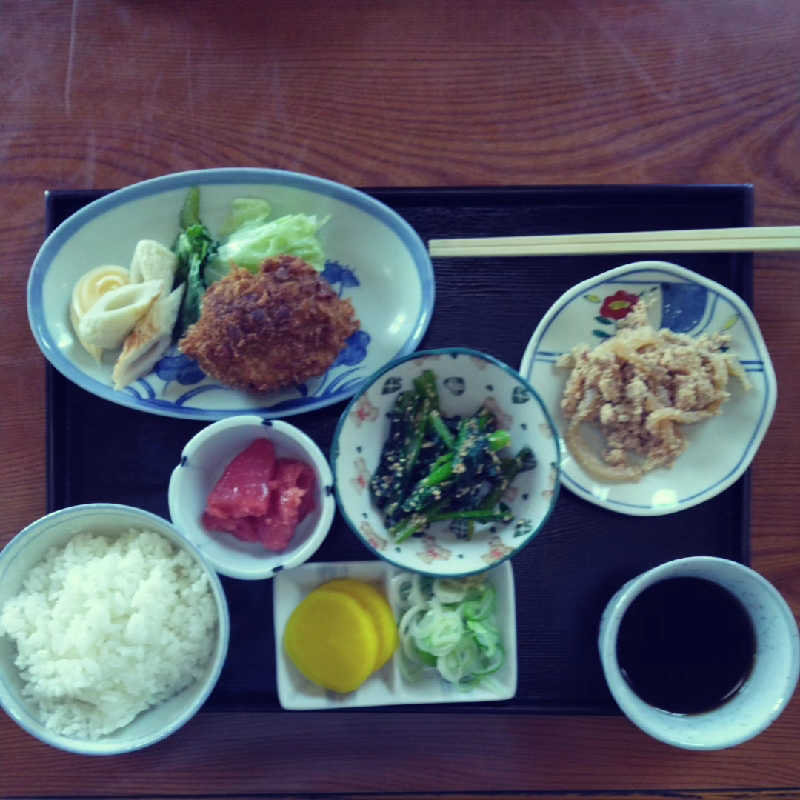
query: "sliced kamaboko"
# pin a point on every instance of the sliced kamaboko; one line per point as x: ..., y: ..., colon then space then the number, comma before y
x: 87, y: 291
x: 112, y: 317
x: 149, y: 339
x: 152, y: 261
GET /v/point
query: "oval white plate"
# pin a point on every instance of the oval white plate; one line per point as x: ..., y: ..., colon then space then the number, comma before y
x: 373, y: 257
x: 720, y: 449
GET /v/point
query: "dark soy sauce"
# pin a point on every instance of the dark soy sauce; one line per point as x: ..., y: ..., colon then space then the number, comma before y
x: 686, y: 645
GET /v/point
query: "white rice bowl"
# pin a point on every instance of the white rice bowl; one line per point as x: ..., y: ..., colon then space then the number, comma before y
x: 112, y: 629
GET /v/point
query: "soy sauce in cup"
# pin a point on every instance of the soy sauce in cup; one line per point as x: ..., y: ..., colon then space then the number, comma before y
x: 686, y: 645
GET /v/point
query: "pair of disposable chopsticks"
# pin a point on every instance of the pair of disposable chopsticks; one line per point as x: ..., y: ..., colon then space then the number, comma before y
x: 728, y: 240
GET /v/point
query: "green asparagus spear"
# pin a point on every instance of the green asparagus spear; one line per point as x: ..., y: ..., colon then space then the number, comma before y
x: 190, y: 211
x: 440, y: 429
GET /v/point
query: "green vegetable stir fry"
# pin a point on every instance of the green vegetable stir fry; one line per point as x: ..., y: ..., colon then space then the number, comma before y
x: 435, y: 468
x: 447, y: 624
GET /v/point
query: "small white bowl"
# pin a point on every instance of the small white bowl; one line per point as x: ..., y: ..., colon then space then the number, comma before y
x: 465, y: 379
x: 719, y: 449
x: 387, y: 686
x: 202, y: 463
x: 27, y: 549
x: 764, y: 694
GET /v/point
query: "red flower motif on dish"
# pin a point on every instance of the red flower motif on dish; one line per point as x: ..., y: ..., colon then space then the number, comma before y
x: 497, y: 550
x: 361, y: 479
x: 433, y: 551
x: 503, y: 420
x: 368, y: 532
x: 618, y: 305
x: 364, y: 411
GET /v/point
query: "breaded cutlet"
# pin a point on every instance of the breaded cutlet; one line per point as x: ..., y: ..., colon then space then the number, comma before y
x: 272, y: 329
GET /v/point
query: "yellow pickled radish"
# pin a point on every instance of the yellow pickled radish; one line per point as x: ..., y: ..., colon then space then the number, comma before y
x: 332, y: 640
x: 376, y: 605
x: 87, y: 291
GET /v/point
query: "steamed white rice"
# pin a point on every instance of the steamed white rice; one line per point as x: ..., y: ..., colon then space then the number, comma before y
x: 108, y: 626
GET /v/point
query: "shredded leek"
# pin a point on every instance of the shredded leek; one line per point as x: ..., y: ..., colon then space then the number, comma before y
x: 448, y: 625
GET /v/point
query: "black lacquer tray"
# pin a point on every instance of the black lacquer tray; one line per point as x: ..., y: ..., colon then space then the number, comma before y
x: 102, y: 452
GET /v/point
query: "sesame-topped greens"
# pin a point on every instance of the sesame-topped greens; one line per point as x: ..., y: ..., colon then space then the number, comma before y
x: 436, y: 468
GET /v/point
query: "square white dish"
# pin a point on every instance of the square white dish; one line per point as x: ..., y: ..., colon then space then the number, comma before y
x: 387, y: 686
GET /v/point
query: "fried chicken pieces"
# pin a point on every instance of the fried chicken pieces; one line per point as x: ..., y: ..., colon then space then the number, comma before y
x: 265, y: 331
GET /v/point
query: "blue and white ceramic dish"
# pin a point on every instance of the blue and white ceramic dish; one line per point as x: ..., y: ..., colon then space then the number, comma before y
x: 719, y: 449
x: 374, y: 258
x: 465, y: 379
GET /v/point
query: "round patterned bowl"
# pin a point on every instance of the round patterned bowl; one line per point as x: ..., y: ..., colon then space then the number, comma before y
x: 465, y: 379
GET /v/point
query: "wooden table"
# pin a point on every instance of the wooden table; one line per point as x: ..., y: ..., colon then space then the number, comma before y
x: 414, y: 93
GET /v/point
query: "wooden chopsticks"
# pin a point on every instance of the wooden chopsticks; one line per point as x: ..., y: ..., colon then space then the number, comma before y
x: 727, y: 240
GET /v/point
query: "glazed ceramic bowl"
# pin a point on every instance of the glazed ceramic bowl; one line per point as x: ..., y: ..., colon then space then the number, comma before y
x: 765, y: 692
x: 465, y: 379
x: 373, y: 258
x: 204, y: 459
x: 719, y: 449
x: 26, y: 550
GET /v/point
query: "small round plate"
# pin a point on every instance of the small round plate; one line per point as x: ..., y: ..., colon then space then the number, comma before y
x: 719, y: 449
x: 374, y: 258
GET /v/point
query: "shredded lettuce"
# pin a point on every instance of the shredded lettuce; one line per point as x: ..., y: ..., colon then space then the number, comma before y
x: 243, y: 210
x: 256, y: 240
x: 246, y: 239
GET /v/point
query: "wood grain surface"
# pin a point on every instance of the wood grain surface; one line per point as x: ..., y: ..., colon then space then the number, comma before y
x: 415, y: 93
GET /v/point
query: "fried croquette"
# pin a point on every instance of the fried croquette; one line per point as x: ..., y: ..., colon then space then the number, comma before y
x: 272, y: 329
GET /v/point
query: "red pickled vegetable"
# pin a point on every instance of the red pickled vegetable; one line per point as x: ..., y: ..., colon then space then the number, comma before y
x: 243, y: 489
x: 260, y: 498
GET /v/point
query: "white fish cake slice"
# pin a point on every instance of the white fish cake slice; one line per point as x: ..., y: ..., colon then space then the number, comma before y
x: 149, y: 339
x: 113, y: 316
x: 152, y: 261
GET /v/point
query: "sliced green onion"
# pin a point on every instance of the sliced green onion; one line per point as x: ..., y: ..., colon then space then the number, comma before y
x: 449, y: 590
x: 480, y: 603
x: 448, y: 624
x: 486, y: 637
x: 438, y: 631
x: 461, y: 662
